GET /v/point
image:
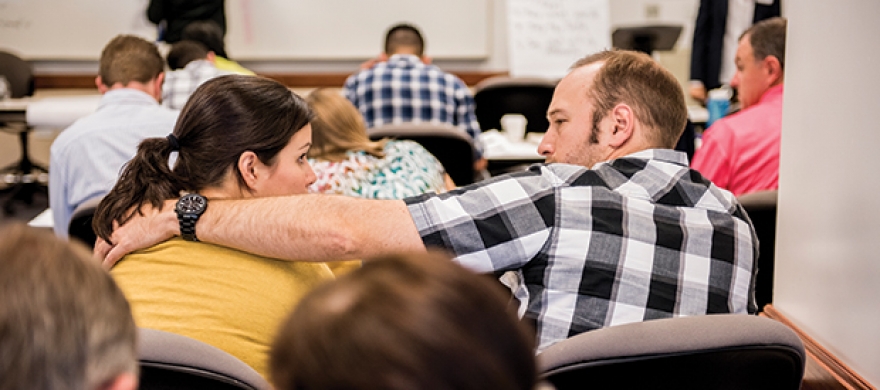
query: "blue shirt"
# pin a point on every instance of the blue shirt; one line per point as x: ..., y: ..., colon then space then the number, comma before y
x: 405, y: 89
x: 87, y: 157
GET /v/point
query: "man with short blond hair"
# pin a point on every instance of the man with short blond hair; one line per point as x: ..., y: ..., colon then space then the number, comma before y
x: 86, y: 158
x: 614, y: 228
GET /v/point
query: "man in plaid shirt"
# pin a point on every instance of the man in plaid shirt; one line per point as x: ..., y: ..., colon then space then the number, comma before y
x: 614, y: 228
x: 402, y: 86
x: 191, y: 65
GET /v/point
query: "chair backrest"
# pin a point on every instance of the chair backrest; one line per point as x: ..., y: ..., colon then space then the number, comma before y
x: 170, y: 361
x: 722, y: 351
x: 761, y: 207
x: 80, y: 226
x: 451, y: 145
x: 497, y: 96
x: 18, y: 73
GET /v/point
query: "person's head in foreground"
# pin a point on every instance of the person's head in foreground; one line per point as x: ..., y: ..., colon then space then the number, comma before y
x: 338, y: 127
x: 611, y: 104
x: 415, y: 321
x: 64, y: 324
x: 760, y: 60
x: 236, y: 137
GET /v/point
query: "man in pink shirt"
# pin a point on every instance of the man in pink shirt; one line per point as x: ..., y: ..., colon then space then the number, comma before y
x: 741, y: 152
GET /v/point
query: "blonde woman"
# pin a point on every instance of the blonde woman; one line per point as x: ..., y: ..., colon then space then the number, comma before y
x: 346, y: 162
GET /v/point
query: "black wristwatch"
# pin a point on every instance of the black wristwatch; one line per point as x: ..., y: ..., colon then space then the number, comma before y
x: 189, y: 208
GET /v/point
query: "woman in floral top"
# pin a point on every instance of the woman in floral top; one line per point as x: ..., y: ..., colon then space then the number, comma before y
x: 346, y: 162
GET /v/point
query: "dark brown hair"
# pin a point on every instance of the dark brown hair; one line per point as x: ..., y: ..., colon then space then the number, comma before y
x: 184, y: 52
x: 404, y: 35
x: 64, y: 324
x: 416, y: 321
x: 223, y: 118
x: 767, y: 38
x: 649, y: 89
x: 128, y: 58
x: 338, y: 127
x: 208, y: 33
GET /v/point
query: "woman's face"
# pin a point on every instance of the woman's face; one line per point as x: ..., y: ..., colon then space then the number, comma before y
x: 291, y: 173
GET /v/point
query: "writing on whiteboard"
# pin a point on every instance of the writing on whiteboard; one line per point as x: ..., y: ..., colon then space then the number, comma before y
x: 547, y: 36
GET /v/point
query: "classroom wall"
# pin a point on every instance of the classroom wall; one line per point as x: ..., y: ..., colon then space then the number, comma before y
x: 827, y: 278
x: 623, y: 13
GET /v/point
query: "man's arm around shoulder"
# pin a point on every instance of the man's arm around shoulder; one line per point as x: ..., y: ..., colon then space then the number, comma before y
x: 312, y: 227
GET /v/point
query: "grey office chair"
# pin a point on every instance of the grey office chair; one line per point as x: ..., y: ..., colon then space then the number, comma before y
x: 170, y: 361
x: 761, y: 208
x: 24, y: 178
x: 80, y: 226
x: 451, y: 145
x: 500, y: 95
x: 722, y: 351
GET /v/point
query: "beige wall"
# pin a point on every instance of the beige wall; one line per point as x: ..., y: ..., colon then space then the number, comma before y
x: 827, y: 278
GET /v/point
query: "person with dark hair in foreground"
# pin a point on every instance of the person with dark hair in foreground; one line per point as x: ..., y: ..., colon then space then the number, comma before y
x: 64, y: 325
x: 414, y: 321
x: 237, y: 137
x: 613, y: 228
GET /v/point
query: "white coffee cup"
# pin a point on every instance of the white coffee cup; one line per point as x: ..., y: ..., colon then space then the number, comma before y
x: 514, y: 126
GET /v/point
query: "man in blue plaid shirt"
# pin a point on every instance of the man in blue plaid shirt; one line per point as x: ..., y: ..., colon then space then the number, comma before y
x: 614, y: 228
x: 402, y: 86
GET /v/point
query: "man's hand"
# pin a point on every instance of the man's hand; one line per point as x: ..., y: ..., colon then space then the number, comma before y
x: 698, y: 93
x: 368, y: 64
x: 155, y: 226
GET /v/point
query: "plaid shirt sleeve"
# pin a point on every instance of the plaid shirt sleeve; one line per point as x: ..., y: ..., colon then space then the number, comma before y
x: 493, y: 226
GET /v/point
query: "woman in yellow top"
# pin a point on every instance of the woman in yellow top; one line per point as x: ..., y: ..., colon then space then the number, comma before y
x: 237, y: 136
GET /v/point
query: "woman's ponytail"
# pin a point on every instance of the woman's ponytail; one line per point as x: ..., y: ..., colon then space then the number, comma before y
x: 147, y: 178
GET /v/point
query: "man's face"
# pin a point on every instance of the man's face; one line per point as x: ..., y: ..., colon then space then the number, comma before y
x: 752, y: 77
x: 568, y: 139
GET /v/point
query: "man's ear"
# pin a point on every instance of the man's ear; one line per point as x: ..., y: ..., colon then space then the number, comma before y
x: 100, y: 84
x: 248, y: 168
x: 126, y: 381
x: 774, y: 69
x: 623, y: 124
x: 211, y: 57
x: 157, y: 86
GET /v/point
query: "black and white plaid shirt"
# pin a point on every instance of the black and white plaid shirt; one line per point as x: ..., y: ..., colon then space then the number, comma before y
x: 180, y: 84
x: 637, y: 238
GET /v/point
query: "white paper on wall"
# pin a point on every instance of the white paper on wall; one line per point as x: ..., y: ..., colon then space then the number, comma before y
x: 547, y: 36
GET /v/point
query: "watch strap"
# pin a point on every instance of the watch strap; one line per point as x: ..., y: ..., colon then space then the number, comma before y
x: 188, y: 226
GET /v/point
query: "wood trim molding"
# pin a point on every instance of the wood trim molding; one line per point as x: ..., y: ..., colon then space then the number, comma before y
x: 292, y: 80
x: 840, y: 371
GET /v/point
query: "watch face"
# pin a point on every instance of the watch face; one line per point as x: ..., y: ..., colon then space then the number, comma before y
x: 191, y: 204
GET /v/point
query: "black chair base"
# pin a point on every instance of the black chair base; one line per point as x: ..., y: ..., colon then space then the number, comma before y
x: 23, y: 179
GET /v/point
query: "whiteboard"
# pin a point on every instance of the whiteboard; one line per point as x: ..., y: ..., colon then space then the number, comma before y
x: 256, y: 29
x: 546, y: 37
